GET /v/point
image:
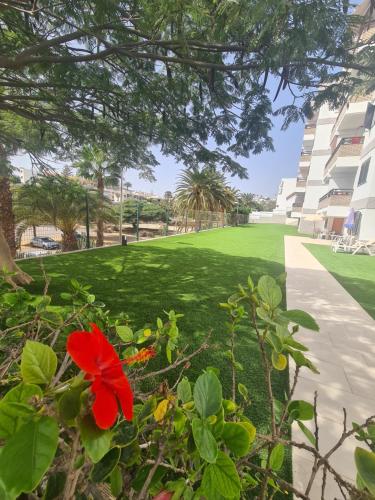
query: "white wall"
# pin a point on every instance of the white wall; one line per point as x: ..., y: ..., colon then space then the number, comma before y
x: 286, y: 188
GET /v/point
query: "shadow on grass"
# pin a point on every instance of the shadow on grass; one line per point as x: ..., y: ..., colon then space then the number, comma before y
x: 145, y: 280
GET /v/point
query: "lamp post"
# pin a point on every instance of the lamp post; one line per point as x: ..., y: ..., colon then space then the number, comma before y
x: 121, y: 204
x: 87, y: 221
x: 237, y: 213
x: 137, y: 220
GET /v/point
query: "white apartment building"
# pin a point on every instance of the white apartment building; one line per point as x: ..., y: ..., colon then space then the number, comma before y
x: 287, y: 188
x: 337, y: 165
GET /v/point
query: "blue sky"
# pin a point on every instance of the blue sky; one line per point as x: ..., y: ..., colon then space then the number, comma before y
x: 264, y: 170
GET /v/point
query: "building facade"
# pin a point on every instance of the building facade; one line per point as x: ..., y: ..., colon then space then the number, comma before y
x: 337, y: 165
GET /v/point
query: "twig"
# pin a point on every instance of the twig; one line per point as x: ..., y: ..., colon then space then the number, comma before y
x: 178, y: 362
x: 70, y: 483
x: 283, y: 484
x: 317, y: 464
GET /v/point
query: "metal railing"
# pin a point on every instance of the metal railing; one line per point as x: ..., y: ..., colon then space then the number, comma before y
x: 336, y: 197
x: 348, y: 146
x: 140, y: 228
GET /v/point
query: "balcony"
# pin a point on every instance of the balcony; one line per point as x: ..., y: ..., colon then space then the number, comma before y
x: 297, y: 206
x: 345, y: 157
x: 303, y: 172
x: 352, y: 114
x: 301, y: 182
x: 337, y: 198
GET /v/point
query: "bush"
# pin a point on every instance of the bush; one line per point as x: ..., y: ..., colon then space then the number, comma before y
x: 67, y: 433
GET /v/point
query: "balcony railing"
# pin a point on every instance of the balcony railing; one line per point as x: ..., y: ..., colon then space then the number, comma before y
x: 348, y: 146
x: 297, y: 207
x: 336, y: 197
x: 301, y: 182
x: 310, y: 128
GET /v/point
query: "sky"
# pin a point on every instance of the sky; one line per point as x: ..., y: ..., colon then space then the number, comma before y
x: 264, y: 170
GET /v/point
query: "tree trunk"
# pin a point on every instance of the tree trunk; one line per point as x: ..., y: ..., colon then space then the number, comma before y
x: 7, y: 221
x: 7, y: 263
x: 69, y: 241
x: 100, y: 224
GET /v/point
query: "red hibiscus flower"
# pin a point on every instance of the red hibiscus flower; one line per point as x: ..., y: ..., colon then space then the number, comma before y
x: 92, y: 352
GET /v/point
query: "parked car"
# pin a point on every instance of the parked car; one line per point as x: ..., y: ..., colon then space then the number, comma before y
x: 44, y: 242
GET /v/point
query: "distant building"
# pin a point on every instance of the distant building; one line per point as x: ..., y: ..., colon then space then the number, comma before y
x: 24, y: 174
x: 336, y: 171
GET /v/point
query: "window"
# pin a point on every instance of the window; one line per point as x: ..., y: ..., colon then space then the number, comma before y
x: 357, y: 223
x: 363, y: 173
x: 369, y: 118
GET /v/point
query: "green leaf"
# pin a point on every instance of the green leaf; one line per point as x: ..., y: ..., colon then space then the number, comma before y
x: 130, y: 455
x: 55, y: 485
x: 184, y: 390
x: 28, y: 454
x: 275, y: 341
x: 237, y: 438
x: 105, y: 466
x: 250, y: 427
x: 96, y: 441
x: 300, y: 410
x: 116, y: 481
x: 270, y: 291
x: 142, y: 474
x: 15, y: 409
x: 301, y: 360
x: 204, y: 440
x: 70, y: 403
x: 277, y: 457
x: 127, y: 432
x: 365, y: 463
x: 221, y: 478
x: 301, y: 318
x: 38, y: 363
x: 279, y: 361
x: 207, y: 394
x: 179, y: 421
x: 291, y: 342
x: 243, y: 390
x: 125, y: 333
x: 310, y: 436
x: 13, y: 416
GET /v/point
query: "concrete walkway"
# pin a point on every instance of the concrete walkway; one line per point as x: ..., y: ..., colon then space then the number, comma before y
x: 343, y: 351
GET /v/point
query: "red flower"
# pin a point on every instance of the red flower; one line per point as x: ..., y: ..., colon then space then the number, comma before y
x: 92, y: 352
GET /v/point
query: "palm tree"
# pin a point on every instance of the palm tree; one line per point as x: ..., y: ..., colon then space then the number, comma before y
x: 58, y: 201
x: 97, y: 164
x: 200, y: 190
x: 7, y: 221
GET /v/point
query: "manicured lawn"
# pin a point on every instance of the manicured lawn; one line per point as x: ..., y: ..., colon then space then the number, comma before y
x: 190, y: 274
x: 356, y: 273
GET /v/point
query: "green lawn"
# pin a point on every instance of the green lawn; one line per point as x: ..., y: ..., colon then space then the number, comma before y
x: 190, y: 274
x: 356, y: 273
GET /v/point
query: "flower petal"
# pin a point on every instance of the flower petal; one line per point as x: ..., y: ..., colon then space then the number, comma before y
x: 84, y: 349
x: 125, y: 396
x: 105, y: 408
x: 107, y: 353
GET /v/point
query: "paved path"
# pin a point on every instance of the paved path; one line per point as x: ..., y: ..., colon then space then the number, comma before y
x: 343, y: 351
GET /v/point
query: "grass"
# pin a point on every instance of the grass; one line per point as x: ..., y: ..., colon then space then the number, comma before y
x: 356, y: 273
x: 190, y: 274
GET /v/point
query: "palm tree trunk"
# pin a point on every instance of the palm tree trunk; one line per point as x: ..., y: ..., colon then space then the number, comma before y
x: 7, y: 221
x: 69, y: 241
x: 100, y: 224
x: 7, y: 263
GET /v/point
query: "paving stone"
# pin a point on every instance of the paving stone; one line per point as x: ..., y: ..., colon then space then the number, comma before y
x: 343, y: 351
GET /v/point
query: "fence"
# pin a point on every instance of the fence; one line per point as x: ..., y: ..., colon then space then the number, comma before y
x: 37, y: 241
